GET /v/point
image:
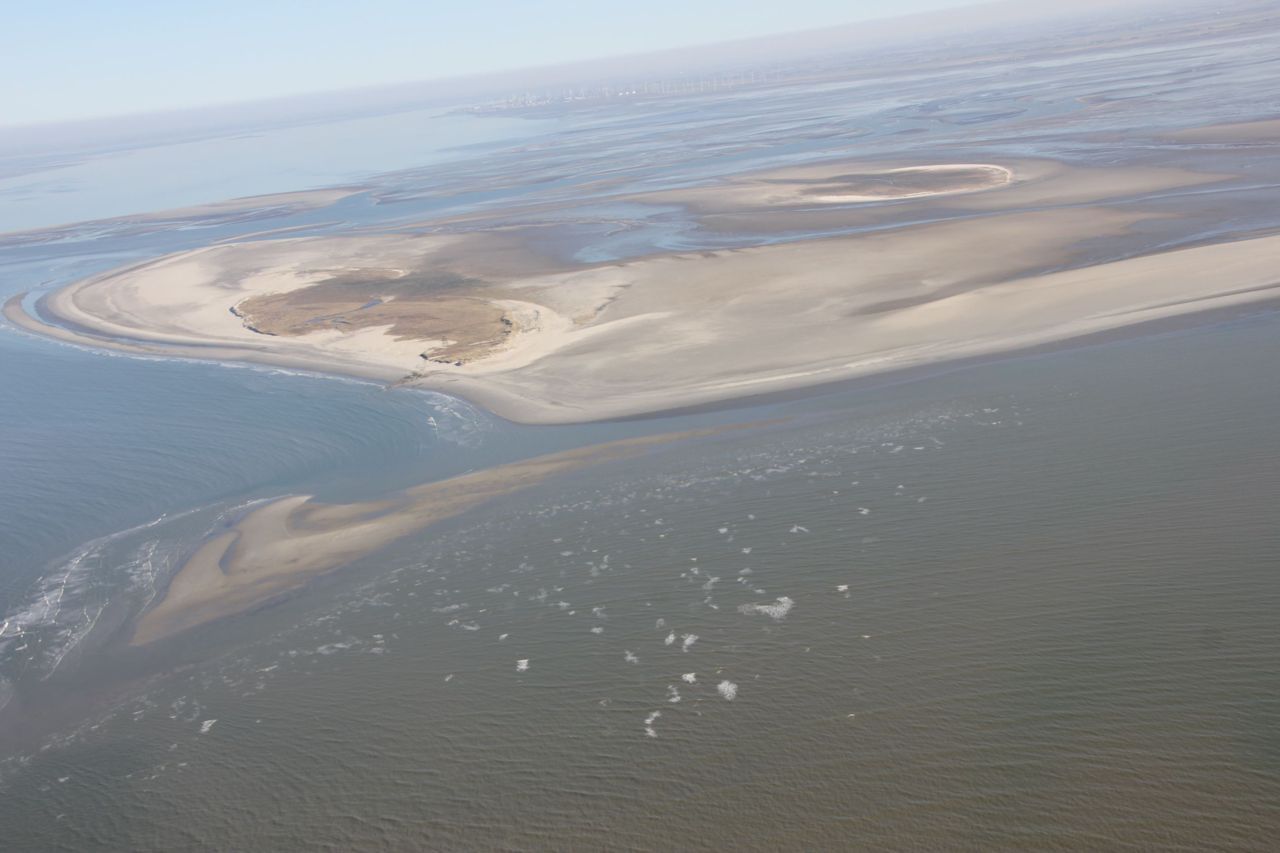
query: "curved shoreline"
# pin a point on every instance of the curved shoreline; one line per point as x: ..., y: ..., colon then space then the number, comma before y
x: 493, y: 403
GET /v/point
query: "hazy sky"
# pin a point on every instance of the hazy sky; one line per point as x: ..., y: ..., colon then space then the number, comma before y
x: 69, y: 59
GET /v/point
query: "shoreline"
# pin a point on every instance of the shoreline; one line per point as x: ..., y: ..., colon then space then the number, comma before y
x: 1188, y: 321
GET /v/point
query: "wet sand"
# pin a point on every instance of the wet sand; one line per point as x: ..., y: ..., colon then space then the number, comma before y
x: 1266, y: 131
x: 843, y: 183
x: 279, y: 546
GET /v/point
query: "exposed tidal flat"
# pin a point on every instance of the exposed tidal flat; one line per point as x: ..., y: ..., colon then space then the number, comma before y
x: 994, y: 259
x: 1020, y: 604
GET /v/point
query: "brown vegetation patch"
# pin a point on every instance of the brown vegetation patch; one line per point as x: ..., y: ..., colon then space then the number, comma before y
x: 898, y: 183
x: 426, y: 306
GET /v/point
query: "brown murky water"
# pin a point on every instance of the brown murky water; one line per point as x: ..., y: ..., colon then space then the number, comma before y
x: 1025, y: 606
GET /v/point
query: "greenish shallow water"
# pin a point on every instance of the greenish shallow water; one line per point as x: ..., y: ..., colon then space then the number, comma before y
x: 1058, y: 632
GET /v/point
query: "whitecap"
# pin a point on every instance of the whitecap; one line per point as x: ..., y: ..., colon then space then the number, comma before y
x: 451, y: 608
x: 776, y: 611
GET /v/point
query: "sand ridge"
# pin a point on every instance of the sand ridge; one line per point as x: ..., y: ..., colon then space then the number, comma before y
x: 281, y: 545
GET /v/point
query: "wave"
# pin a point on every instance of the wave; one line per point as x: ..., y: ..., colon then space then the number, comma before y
x: 456, y: 421
x: 127, y: 567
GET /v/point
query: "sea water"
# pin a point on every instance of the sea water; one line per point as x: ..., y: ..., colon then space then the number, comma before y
x: 1019, y: 605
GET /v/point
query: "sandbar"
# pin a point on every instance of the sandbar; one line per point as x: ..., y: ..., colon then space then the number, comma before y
x: 279, y: 546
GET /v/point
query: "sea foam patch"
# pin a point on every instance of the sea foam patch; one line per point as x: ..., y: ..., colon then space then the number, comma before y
x: 776, y: 611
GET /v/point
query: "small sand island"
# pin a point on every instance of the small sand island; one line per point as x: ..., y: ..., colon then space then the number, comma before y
x: 280, y: 545
x: 823, y: 185
x: 926, y: 263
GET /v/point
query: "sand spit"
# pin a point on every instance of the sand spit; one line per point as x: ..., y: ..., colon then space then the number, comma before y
x: 749, y: 206
x: 281, y: 545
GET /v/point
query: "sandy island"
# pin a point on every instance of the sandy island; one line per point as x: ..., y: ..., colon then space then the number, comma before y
x: 1022, y: 254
